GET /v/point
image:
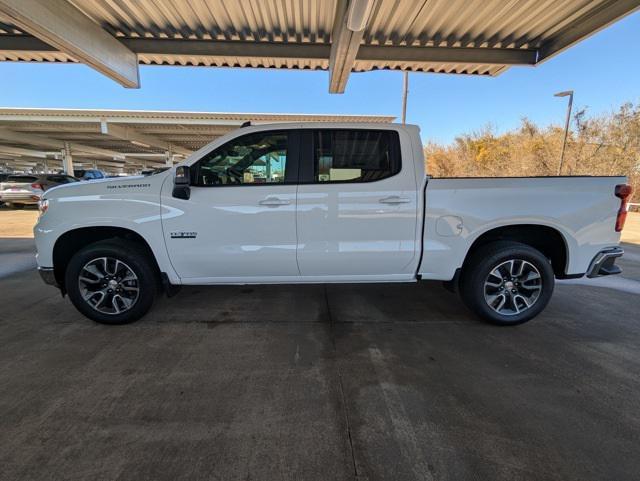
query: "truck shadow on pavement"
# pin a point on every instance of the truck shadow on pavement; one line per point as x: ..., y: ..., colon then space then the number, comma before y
x: 426, y: 302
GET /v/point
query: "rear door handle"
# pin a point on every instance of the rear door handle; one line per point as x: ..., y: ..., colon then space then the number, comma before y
x: 274, y: 202
x: 395, y: 199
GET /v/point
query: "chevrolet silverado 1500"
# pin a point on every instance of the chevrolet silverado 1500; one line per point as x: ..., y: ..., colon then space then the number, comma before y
x: 320, y: 203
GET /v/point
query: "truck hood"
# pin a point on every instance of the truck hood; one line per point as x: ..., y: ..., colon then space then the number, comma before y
x: 112, y: 187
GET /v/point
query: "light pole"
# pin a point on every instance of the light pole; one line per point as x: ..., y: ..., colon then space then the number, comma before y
x: 566, y: 93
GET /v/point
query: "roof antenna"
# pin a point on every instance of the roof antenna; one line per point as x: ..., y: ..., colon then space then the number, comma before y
x: 246, y: 124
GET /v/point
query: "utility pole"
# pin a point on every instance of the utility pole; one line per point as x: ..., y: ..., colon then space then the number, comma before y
x: 405, y: 94
x: 567, y: 93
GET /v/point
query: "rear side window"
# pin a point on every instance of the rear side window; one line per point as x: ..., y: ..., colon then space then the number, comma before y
x: 355, y: 155
x: 21, y: 178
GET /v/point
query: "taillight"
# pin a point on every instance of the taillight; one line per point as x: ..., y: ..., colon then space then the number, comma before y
x: 43, y: 205
x: 37, y: 186
x: 623, y: 192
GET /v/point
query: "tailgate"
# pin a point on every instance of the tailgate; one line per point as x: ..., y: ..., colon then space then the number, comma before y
x: 16, y: 187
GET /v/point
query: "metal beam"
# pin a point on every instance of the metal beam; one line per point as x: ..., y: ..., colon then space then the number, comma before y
x: 42, y: 140
x: 488, y: 56
x: 130, y: 134
x: 60, y: 24
x: 344, y: 48
x: 22, y: 152
x: 110, y: 163
x: 150, y: 155
x: 21, y: 163
x: 227, y: 48
x: 170, y: 46
x: 24, y: 43
x: 88, y: 149
x: 592, y: 22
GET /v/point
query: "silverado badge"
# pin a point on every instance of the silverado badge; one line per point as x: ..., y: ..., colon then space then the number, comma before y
x: 184, y: 235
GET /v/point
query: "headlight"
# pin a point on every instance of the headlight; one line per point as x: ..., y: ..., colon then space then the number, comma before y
x: 43, y: 205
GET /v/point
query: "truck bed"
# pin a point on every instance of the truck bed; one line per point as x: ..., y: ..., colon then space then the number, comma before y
x: 458, y: 211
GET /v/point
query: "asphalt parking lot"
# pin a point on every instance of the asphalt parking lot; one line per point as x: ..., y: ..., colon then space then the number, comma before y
x: 342, y: 382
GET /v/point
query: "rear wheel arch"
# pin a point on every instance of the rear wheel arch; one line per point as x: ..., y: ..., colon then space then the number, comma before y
x: 548, y: 240
x: 74, y: 240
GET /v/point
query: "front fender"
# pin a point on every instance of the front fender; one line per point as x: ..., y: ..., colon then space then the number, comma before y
x: 140, y: 213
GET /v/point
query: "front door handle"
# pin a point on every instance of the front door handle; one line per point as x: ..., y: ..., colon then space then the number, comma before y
x: 274, y: 202
x: 395, y: 199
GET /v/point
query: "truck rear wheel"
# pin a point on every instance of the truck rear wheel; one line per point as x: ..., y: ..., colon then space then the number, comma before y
x: 112, y: 282
x: 507, y: 283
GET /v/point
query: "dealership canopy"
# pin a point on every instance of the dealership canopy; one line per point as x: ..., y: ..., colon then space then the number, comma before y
x: 122, y: 140
x: 478, y: 37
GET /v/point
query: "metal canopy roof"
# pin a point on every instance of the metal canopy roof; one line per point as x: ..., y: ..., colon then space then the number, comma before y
x: 481, y: 37
x: 123, y: 140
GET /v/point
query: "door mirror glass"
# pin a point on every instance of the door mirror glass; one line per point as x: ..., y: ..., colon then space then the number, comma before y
x: 181, y: 182
x: 183, y: 176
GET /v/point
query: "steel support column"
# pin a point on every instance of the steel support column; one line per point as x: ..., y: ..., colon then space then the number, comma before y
x: 67, y: 159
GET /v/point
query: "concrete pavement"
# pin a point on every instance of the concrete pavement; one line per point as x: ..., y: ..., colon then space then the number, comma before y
x: 355, y: 382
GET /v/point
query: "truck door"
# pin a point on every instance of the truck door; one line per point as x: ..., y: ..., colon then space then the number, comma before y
x: 357, y: 206
x: 239, y: 223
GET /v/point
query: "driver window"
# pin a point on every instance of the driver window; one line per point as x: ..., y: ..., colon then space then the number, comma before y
x: 258, y: 158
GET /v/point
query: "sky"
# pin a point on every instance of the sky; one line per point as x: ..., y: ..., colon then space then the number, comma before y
x: 604, y: 72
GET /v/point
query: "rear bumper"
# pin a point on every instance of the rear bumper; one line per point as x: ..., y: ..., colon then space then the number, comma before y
x: 21, y: 197
x: 604, y: 263
x: 48, y: 276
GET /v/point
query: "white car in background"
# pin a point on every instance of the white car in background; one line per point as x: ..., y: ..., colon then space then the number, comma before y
x: 321, y: 203
x: 18, y: 190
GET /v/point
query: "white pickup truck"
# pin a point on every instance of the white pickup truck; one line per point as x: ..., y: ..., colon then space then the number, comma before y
x: 320, y: 203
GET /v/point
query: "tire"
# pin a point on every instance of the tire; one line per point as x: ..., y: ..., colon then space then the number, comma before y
x: 491, y: 275
x: 112, y: 298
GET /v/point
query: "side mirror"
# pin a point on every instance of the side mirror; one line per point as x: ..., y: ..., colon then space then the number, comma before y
x: 181, y: 183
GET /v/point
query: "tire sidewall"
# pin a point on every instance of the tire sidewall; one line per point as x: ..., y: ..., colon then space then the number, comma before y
x: 126, y: 252
x: 489, y: 257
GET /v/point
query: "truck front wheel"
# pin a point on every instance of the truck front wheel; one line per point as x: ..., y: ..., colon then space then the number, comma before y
x: 112, y: 281
x: 506, y: 282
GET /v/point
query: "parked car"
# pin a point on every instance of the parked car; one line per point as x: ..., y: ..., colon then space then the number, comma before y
x: 326, y: 203
x: 18, y: 190
x: 3, y: 176
x: 88, y: 174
